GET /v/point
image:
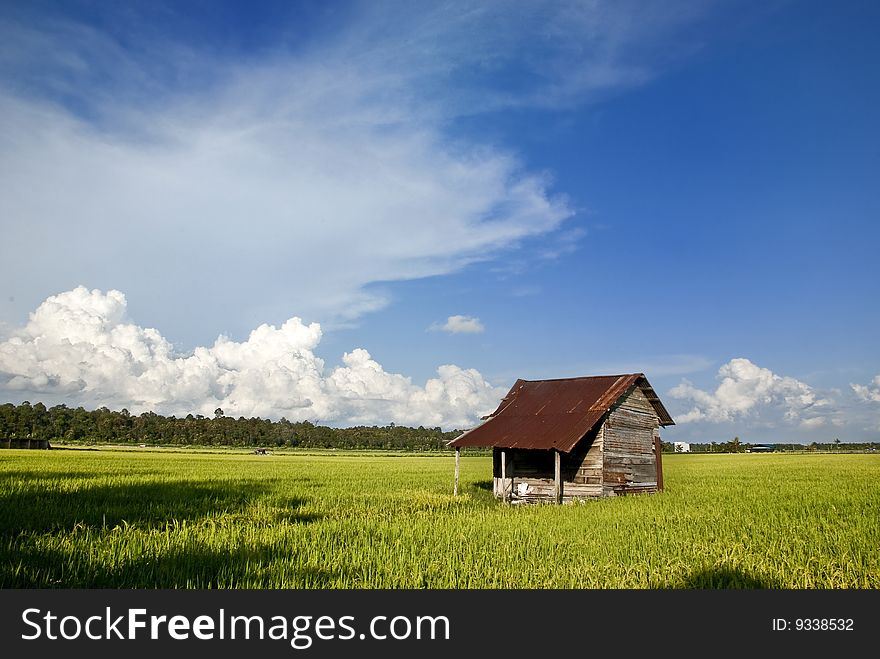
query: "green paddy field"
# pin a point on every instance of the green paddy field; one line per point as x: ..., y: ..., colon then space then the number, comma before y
x: 162, y: 519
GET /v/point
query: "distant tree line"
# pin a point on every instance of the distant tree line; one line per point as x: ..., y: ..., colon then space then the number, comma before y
x: 60, y: 424
x: 737, y: 446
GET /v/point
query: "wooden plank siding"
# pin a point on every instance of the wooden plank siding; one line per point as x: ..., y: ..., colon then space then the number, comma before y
x: 628, y: 431
x: 615, y: 458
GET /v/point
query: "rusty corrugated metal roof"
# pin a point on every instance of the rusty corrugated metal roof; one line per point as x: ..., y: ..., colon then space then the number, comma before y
x: 556, y: 414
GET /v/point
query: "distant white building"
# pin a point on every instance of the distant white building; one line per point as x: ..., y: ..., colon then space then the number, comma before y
x: 682, y: 447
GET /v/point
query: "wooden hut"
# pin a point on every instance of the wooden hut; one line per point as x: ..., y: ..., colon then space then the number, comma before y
x: 574, y: 438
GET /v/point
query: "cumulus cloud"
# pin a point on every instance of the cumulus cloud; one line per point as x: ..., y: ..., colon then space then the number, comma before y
x: 748, y: 390
x: 868, y: 393
x: 460, y: 325
x: 80, y: 345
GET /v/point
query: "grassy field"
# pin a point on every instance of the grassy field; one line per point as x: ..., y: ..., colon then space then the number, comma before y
x: 144, y: 519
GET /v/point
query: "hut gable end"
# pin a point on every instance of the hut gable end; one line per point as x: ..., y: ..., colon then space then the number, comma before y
x: 630, y: 432
x: 630, y: 425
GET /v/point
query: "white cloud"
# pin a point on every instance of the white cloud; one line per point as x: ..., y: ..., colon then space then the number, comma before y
x: 747, y: 390
x: 217, y: 193
x: 460, y: 325
x: 79, y: 345
x: 258, y: 215
x: 868, y: 393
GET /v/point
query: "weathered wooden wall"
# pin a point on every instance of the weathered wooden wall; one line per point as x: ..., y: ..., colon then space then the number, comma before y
x: 614, y: 459
x: 629, y: 431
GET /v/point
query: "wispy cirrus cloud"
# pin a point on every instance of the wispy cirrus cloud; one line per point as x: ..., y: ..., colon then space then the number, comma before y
x: 295, y: 178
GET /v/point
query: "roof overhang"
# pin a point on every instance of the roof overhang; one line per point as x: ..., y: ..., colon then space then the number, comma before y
x: 556, y: 414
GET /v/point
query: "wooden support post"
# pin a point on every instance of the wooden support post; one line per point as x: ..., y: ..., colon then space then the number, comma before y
x: 457, y: 459
x: 557, y: 478
x: 658, y: 459
x: 511, y: 473
x: 504, y: 475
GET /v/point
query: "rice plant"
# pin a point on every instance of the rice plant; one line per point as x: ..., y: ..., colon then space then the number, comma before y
x: 162, y: 519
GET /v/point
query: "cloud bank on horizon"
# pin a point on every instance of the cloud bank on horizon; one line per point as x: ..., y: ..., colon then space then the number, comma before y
x: 746, y: 388
x: 751, y: 396
x: 80, y: 346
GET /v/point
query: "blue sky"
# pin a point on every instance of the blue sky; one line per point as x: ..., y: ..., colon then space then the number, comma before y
x: 498, y: 190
